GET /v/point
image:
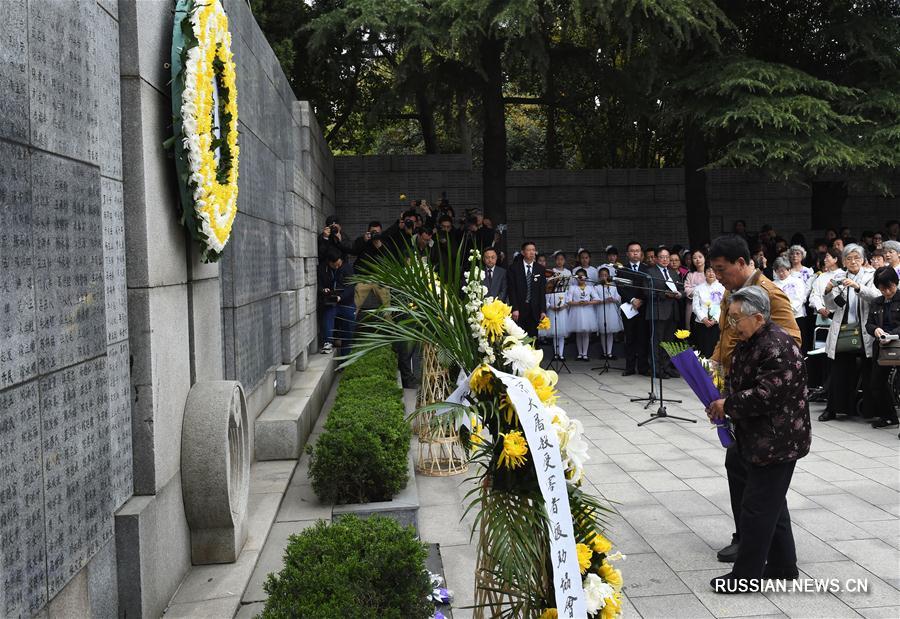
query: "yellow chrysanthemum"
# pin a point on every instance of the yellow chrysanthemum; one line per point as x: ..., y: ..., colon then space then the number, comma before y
x: 601, y: 544
x: 508, y: 410
x: 514, y: 450
x: 544, y: 324
x: 403, y: 196
x: 584, y: 556
x: 493, y: 314
x: 480, y: 380
x: 544, y: 383
x: 612, y: 608
x: 682, y: 334
x: 550, y: 613
x: 475, y: 438
x: 611, y: 575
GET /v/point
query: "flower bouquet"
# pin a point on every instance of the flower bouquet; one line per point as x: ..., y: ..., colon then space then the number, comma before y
x: 700, y: 378
x: 541, y: 551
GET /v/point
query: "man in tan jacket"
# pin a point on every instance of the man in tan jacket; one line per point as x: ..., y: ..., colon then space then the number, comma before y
x: 729, y: 257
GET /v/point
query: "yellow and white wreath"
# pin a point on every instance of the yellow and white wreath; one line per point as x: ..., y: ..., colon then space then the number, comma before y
x: 209, y: 153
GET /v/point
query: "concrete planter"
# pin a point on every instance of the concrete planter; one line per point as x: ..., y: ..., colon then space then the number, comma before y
x: 404, y: 508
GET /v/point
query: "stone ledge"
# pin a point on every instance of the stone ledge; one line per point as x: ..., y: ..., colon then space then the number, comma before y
x: 284, y: 426
x: 404, y: 508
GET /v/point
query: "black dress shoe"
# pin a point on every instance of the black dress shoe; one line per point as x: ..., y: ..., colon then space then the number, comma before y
x: 663, y: 375
x: 629, y: 373
x: 673, y: 374
x: 729, y: 553
x: 884, y: 423
x: 781, y: 572
x: 728, y: 584
x: 827, y: 416
x: 646, y: 373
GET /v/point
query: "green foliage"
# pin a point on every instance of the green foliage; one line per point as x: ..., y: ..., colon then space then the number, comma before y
x: 361, y: 456
x: 351, y: 568
x: 378, y: 362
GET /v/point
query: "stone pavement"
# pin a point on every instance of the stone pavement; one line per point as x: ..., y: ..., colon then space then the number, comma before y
x: 668, y: 480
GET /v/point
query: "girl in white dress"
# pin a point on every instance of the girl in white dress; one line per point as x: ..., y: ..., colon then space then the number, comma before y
x: 556, y: 306
x: 609, y: 319
x: 582, y: 319
x: 584, y: 262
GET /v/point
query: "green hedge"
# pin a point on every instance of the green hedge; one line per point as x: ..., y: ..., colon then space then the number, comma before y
x: 361, y: 457
x: 351, y: 568
x: 379, y: 362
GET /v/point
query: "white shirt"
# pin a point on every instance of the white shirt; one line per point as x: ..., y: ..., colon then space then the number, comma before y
x: 711, y: 294
x: 796, y: 290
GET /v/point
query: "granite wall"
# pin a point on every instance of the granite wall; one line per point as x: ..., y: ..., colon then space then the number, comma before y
x: 65, y: 414
x: 107, y: 317
x: 566, y: 209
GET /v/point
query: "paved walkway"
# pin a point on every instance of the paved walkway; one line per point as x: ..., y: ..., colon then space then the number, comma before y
x: 669, y: 481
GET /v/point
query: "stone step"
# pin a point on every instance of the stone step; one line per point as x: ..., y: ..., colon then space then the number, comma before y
x: 283, y: 427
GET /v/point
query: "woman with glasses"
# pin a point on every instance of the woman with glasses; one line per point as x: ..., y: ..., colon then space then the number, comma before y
x: 848, y: 298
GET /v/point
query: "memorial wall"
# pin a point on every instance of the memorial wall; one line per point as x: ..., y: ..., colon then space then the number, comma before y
x: 65, y: 415
x: 107, y: 316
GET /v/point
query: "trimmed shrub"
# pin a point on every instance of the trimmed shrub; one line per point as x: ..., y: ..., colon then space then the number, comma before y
x: 351, y: 568
x: 361, y: 457
x: 379, y: 362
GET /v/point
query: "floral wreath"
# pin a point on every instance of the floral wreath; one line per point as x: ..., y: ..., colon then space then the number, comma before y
x: 204, y: 106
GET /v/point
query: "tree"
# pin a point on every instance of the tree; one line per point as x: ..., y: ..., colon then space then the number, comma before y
x: 805, y: 90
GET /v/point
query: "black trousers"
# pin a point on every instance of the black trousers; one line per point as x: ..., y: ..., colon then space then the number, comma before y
x: 705, y: 338
x: 637, y: 343
x: 406, y: 361
x: 842, y: 387
x: 663, y: 331
x: 528, y: 320
x: 880, y: 403
x: 761, y: 517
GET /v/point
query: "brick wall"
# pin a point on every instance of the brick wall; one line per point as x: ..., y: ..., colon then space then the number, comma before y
x: 566, y: 209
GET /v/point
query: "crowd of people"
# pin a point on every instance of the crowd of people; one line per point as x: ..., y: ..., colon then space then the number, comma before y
x: 836, y: 296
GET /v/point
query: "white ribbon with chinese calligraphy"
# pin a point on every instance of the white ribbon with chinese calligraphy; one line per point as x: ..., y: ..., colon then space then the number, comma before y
x: 543, y: 446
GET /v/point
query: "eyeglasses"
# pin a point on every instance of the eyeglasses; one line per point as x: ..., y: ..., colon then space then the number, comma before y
x: 733, y: 322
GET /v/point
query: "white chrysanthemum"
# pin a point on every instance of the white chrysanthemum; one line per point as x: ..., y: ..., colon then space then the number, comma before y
x: 522, y: 358
x: 576, y: 451
x: 512, y: 329
x: 595, y: 593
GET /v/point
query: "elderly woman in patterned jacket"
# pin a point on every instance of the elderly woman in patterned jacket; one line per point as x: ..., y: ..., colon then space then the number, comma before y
x: 766, y: 399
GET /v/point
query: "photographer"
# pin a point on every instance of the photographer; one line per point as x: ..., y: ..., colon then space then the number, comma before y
x: 336, y: 299
x: 398, y: 237
x: 332, y: 236
x: 848, y: 296
x: 369, y: 248
x: 883, y: 322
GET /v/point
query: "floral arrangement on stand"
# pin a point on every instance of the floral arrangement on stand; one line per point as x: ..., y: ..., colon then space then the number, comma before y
x: 204, y: 109
x: 515, y: 569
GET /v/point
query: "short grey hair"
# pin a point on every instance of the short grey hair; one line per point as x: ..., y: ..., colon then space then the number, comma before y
x: 754, y: 300
x: 891, y: 245
x: 854, y: 248
x: 798, y: 248
x: 781, y: 263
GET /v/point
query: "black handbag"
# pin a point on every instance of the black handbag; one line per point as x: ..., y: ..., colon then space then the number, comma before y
x: 889, y: 353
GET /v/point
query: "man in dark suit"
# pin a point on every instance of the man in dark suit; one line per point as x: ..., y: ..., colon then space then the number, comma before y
x: 637, y: 343
x: 527, y: 284
x: 665, y: 310
x: 494, y: 276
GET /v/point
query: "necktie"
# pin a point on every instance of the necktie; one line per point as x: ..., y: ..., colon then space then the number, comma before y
x: 527, y: 283
x: 634, y: 267
x: 490, y: 277
x: 666, y: 275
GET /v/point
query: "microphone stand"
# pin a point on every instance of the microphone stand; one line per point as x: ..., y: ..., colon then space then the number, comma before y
x: 655, y: 377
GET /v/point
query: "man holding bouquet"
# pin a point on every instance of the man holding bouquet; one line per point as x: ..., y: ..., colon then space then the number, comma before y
x: 766, y: 399
x: 729, y: 257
